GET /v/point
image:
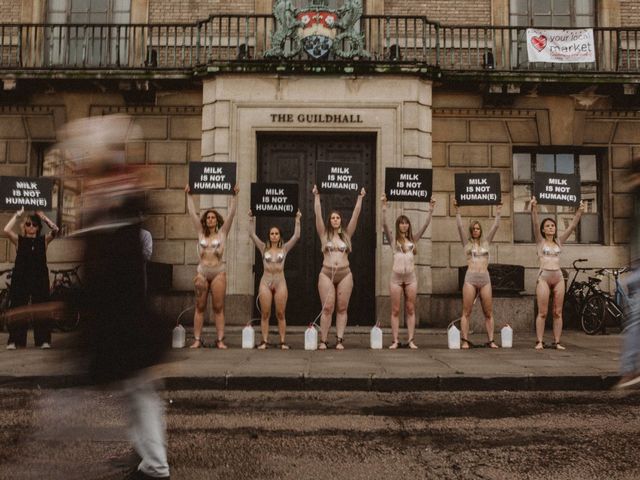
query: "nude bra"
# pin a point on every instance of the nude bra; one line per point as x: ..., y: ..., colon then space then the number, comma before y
x: 214, y: 245
x: 551, y: 251
x: 277, y: 258
x: 407, y: 247
x: 338, y: 247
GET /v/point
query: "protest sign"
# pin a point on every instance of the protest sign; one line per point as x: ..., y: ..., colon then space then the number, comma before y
x: 212, y: 177
x: 408, y: 184
x: 561, y: 46
x: 30, y: 193
x: 556, y: 189
x: 478, y: 188
x: 339, y: 177
x: 274, y: 199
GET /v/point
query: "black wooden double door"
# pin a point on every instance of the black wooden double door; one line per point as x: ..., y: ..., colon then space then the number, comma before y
x: 293, y: 158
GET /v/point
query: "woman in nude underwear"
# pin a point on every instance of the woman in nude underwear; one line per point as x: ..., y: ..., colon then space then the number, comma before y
x: 273, y: 286
x: 550, y: 279
x: 335, y: 282
x: 211, y: 275
x: 476, y: 280
x: 403, y: 276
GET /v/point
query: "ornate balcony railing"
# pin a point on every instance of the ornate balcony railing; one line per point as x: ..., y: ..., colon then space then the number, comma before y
x: 238, y: 41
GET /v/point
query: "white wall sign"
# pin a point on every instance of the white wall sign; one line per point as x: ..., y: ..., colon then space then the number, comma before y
x: 561, y: 46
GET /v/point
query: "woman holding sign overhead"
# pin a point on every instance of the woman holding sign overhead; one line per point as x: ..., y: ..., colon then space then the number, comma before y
x: 30, y: 279
x: 273, y: 286
x: 477, y: 282
x: 550, y: 279
x: 403, y: 276
x: 211, y: 275
x: 335, y: 282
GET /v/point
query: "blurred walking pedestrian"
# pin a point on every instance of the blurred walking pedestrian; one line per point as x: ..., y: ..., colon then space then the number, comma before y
x: 122, y: 337
x: 630, y: 354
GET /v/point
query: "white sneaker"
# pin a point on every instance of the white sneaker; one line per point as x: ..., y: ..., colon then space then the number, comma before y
x: 11, y: 346
x: 45, y: 346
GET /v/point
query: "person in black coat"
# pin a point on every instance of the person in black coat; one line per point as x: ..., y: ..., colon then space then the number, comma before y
x: 30, y: 277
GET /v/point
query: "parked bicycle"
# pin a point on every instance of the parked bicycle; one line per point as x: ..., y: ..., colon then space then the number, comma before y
x: 5, y: 294
x: 66, y: 287
x: 575, y: 295
x: 602, y: 308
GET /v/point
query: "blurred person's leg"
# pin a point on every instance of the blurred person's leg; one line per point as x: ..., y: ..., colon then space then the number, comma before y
x: 631, y: 339
x: 147, y: 428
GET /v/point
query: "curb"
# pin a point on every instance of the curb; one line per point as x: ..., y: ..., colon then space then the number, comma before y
x: 371, y: 383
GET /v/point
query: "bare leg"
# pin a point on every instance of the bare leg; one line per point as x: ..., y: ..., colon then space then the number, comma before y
x: 328, y: 298
x: 218, y: 290
x: 281, y: 296
x: 395, y: 294
x: 468, y: 296
x: 558, y: 301
x: 266, y: 299
x: 202, y: 288
x: 486, y: 298
x: 410, y: 294
x: 344, y: 289
x: 542, y: 296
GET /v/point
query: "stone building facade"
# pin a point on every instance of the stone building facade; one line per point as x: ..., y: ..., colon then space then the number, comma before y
x: 451, y: 124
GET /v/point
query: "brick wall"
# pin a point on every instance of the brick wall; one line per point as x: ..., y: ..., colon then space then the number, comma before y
x: 10, y: 10
x: 169, y: 11
x: 445, y: 11
x: 630, y: 13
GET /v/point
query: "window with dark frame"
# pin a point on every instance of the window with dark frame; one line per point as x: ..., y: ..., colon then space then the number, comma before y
x: 92, y: 46
x: 584, y: 163
x: 553, y: 13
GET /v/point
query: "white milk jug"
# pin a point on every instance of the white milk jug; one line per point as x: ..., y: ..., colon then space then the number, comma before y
x: 311, y: 338
x: 178, y: 337
x: 506, y: 337
x: 376, y: 338
x: 453, y: 337
x: 248, y: 337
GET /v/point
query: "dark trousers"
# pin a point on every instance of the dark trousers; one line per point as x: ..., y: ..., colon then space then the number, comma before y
x: 41, y: 333
x: 18, y: 330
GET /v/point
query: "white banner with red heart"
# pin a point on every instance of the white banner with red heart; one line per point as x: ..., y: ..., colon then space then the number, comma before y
x: 561, y: 46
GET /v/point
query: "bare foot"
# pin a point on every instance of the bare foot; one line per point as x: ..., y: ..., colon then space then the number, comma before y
x: 263, y: 345
x: 339, y: 345
x: 197, y: 343
x: 412, y: 345
x: 394, y: 345
x: 323, y: 345
x: 540, y: 345
x: 220, y: 344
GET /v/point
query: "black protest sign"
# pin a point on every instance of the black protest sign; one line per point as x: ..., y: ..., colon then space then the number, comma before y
x: 274, y: 199
x: 557, y: 189
x: 478, y: 188
x: 339, y: 177
x: 30, y: 193
x: 212, y: 177
x: 408, y: 184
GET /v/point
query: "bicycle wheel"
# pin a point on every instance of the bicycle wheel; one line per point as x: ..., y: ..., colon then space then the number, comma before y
x: 593, y: 312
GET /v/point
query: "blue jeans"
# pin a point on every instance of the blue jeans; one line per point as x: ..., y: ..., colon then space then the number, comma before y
x: 631, y: 343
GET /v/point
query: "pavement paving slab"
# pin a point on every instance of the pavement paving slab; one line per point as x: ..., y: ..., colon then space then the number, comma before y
x: 589, y: 363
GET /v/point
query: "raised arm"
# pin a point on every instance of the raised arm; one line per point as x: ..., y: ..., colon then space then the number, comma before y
x: 296, y: 234
x: 496, y: 224
x: 52, y: 227
x: 353, y: 223
x: 535, y: 220
x: 317, y: 209
x: 417, y: 235
x: 385, y: 219
x: 463, y: 237
x: 574, y: 224
x: 8, y: 228
x: 195, y: 219
x: 233, y: 206
x: 252, y: 233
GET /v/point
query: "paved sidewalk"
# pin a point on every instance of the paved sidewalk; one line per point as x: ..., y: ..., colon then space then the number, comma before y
x: 589, y: 363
